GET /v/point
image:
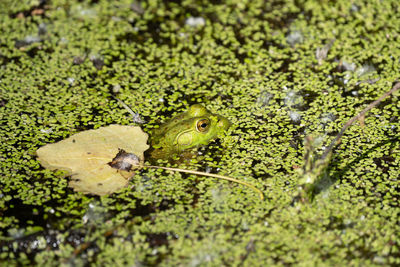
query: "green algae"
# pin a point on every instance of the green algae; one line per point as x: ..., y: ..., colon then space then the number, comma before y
x: 59, y: 66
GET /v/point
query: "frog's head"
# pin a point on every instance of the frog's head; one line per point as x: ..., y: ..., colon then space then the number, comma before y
x: 197, y: 126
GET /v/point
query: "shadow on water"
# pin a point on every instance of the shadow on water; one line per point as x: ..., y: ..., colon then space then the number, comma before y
x: 327, y: 180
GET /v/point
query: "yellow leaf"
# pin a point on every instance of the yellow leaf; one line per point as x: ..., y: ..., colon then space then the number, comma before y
x: 86, y: 157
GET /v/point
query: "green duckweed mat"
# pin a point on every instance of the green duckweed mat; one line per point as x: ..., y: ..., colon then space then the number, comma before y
x: 280, y: 70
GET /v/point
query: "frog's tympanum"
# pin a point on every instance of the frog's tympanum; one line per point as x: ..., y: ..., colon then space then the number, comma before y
x: 197, y: 126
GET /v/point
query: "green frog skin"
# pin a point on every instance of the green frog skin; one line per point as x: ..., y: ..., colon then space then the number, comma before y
x: 197, y: 126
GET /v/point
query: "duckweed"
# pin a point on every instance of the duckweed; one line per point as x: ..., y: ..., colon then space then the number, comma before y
x: 60, y: 62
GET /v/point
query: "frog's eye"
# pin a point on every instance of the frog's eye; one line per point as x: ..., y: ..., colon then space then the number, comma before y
x: 203, y: 125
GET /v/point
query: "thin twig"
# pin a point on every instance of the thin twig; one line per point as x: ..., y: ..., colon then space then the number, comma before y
x: 359, y: 115
x: 260, y: 194
x: 125, y: 106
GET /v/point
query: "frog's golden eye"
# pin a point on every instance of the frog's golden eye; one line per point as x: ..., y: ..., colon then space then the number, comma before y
x: 203, y: 125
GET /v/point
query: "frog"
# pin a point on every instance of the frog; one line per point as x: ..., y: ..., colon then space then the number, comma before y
x: 193, y: 128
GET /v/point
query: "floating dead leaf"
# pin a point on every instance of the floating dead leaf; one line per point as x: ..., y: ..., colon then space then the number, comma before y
x: 96, y: 159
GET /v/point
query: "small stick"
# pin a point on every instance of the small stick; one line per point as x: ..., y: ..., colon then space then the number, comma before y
x: 125, y: 106
x: 135, y: 116
x: 260, y: 194
x: 362, y: 113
